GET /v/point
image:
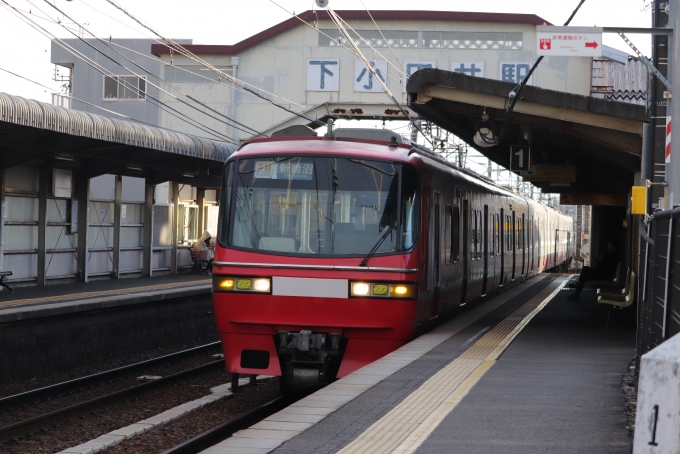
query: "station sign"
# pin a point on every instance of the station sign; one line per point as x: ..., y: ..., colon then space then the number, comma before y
x: 550, y: 174
x: 594, y: 199
x: 568, y: 41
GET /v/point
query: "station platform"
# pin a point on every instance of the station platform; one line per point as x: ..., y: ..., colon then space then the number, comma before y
x: 51, y: 300
x: 528, y: 371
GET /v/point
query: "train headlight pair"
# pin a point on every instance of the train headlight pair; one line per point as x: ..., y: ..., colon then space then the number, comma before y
x: 382, y: 290
x: 242, y: 284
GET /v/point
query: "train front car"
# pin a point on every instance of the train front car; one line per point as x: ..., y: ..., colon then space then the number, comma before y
x: 315, y: 271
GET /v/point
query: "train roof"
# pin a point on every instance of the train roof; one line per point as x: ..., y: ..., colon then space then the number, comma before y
x: 369, y: 143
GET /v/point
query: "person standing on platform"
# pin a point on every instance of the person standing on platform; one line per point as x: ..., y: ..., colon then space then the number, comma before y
x: 604, y: 269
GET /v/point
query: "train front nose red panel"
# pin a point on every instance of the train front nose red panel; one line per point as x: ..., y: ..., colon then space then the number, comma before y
x: 235, y: 344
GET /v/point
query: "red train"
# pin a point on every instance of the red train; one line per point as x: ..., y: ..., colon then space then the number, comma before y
x: 334, y: 251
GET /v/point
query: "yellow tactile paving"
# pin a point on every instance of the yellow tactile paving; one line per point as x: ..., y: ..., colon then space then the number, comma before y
x: 74, y: 296
x: 404, y: 428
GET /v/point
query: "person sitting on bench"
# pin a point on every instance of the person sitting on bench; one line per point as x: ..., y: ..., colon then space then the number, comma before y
x: 203, y: 251
x: 604, y: 269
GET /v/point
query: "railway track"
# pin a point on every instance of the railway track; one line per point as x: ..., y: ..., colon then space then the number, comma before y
x: 21, y: 398
x: 32, y: 424
x: 225, y: 430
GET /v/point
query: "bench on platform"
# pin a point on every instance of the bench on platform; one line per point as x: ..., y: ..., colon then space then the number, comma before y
x: 200, y: 266
x: 617, y: 291
x: 620, y: 302
x: 3, y: 280
x: 616, y: 282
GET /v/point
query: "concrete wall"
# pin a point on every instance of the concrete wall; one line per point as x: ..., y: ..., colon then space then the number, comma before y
x: 100, y: 338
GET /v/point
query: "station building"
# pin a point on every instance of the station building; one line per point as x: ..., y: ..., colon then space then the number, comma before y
x: 304, y: 61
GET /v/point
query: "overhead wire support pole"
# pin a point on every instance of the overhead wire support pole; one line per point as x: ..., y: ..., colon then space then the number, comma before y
x: 646, y: 62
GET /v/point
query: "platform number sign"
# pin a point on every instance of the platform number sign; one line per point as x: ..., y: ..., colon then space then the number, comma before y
x: 519, y: 157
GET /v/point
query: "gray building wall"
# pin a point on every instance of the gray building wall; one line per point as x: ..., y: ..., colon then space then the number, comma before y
x: 87, y: 83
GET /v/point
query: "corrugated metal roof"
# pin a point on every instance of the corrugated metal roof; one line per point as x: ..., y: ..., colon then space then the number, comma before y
x: 28, y: 112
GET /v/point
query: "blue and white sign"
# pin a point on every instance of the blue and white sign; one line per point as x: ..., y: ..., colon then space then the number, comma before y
x: 469, y: 68
x: 411, y: 66
x: 364, y: 80
x: 323, y: 74
x: 514, y: 71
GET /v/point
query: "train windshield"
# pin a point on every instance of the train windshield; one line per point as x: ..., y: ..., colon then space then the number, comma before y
x: 320, y: 206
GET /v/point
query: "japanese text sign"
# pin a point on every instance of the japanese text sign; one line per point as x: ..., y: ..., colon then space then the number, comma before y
x: 569, y: 41
x: 323, y: 74
x: 469, y: 68
x: 364, y: 80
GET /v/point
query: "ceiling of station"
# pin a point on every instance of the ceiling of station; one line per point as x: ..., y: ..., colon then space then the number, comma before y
x: 602, y: 138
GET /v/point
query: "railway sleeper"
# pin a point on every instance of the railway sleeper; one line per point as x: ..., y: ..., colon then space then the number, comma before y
x: 309, y: 358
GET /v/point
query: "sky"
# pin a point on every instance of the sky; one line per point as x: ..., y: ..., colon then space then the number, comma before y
x: 26, y: 52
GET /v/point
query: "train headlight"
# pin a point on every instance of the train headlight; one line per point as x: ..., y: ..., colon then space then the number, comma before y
x: 226, y: 284
x: 359, y: 289
x: 383, y: 290
x: 400, y: 290
x: 261, y: 285
x: 242, y: 284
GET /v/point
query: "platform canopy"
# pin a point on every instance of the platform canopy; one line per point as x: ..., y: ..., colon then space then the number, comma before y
x: 33, y: 132
x: 602, y: 138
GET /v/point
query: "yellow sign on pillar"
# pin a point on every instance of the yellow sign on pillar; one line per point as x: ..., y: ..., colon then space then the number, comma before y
x: 639, y: 202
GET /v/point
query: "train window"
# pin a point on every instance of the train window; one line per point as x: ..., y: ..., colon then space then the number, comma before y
x: 490, y: 235
x: 473, y: 235
x: 329, y: 206
x: 508, y: 234
x: 225, y: 204
x: 480, y: 234
x: 410, y: 207
x: 447, y: 234
x: 497, y: 236
x: 455, y: 234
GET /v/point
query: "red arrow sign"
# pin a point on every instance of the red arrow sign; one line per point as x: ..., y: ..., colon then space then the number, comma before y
x: 593, y: 44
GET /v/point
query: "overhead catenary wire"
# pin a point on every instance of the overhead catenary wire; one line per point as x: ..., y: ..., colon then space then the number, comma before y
x: 333, y: 39
x: 99, y: 107
x: 381, y: 33
x: 154, y: 38
x: 370, y: 68
x: 231, y: 122
x: 182, y: 50
x: 163, y: 106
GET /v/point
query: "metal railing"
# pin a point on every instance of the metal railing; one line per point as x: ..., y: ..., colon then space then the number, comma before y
x: 61, y: 100
x: 659, y: 292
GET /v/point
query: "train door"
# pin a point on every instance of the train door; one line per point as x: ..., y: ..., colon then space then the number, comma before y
x: 531, y: 242
x: 496, y: 248
x: 503, y: 244
x: 466, y: 251
x: 436, y: 254
x: 513, y: 244
x: 557, y: 242
x: 522, y: 243
x: 485, y: 248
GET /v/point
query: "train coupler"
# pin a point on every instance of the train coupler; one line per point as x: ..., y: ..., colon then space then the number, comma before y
x: 309, y: 358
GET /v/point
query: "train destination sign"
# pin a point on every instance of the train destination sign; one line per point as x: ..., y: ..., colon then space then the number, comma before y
x: 551, y: 174
x: 569, y: 41
x: 594, y: 199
